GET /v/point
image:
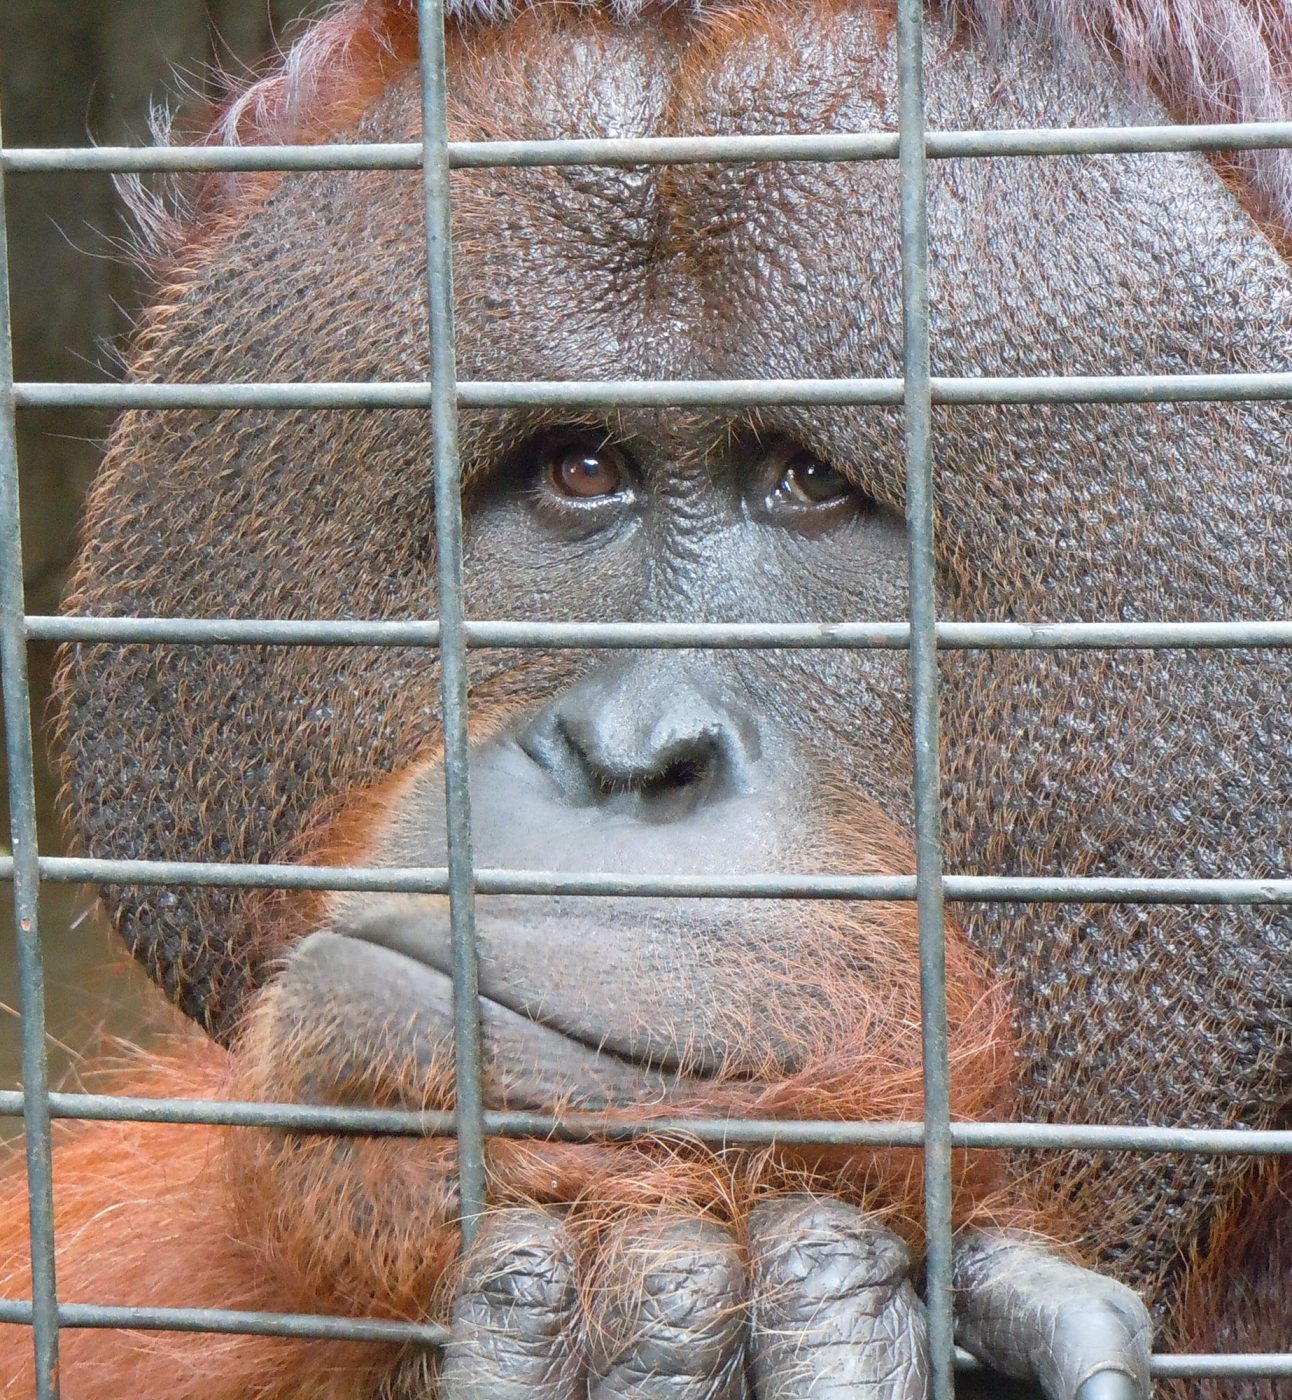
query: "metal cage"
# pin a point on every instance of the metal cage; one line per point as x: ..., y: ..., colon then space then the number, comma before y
x: 912, y: 146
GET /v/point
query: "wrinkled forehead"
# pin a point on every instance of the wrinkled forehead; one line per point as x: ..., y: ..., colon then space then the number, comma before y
x: 748, y: 270
x: 787, y: 268
x: 679, y: 256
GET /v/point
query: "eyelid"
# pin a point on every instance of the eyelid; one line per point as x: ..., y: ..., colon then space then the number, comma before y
x: 781, y: 458
x: 546, y: 498
x: 777, y: 453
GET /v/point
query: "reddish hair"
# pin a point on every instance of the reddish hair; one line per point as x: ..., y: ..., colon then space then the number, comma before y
x: 1207, y: 60
x: 319, y: 85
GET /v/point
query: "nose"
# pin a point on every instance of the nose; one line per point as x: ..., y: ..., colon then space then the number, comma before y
x: 646, y: 741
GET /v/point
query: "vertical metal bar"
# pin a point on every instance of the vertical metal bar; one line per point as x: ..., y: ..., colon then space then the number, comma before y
x: 917, y: 402
x: 26, y: 868
x: 448, y: 538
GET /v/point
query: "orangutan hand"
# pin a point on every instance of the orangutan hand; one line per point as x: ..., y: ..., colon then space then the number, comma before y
x: 816, y: 1300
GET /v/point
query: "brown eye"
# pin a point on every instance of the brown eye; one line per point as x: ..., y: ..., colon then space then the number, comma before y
x: 583, y: 470
x: 808, y: 481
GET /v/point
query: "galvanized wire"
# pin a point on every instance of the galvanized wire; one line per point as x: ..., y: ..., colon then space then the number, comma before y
x: 468, y: 1072
x: 626, y: 1127
x: 326, y: 1328
x: 760, y: 636
x: 916, y: 392
x: 668, y: 393
x: 917, y: 413
x: 658, y: 150
x: 25, y: 868
x: 968, y: 889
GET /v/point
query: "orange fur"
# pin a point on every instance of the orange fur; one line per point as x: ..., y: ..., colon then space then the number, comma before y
x: 155, y: 1215
x: 354, y: 1224
x: 244, y: 1219
x: 144, y: 1219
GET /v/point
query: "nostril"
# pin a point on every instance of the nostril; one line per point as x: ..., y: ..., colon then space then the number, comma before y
x: 652, y: 753
x: 674, y: 777
x: 551, y: 746
x: 684, y: 773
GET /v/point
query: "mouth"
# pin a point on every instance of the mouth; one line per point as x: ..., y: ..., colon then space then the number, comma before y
x: 382, y: 992
x: 418, y: 931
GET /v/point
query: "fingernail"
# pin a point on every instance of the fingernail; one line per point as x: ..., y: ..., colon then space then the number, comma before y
x: 1109, y: 1385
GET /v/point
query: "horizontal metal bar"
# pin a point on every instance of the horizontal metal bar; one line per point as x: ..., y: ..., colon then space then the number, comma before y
x: 230, y: 1323
x: 964, y: 889
x: 657, y: 150
x: 142, y: 160
x: 890, y: 636
x: 717, y: 1132
x: 662, y: 393
x: 1232, y: 1365
x: 1105, y: 140
x: 319, y: 1327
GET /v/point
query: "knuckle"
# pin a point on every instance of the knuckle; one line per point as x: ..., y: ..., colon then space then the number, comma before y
x: 686, y: 1271
x: 522, y: 1260
x: 670, y: 1301
x: 1095, y: 1296
x: 825, y: 1251
x: 531, y: 1280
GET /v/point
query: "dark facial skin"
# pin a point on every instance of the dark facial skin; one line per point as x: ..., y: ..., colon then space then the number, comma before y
x: 1081, y: 763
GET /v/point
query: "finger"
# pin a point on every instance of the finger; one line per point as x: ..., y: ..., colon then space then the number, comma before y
x: 834, y: 1313
x: 669, y: 1318
x: 1029, y: 1313
x: 515, y: 1316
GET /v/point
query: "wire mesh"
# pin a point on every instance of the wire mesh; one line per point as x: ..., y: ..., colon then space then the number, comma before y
x: 911, y: 146
x: 25, y: 873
